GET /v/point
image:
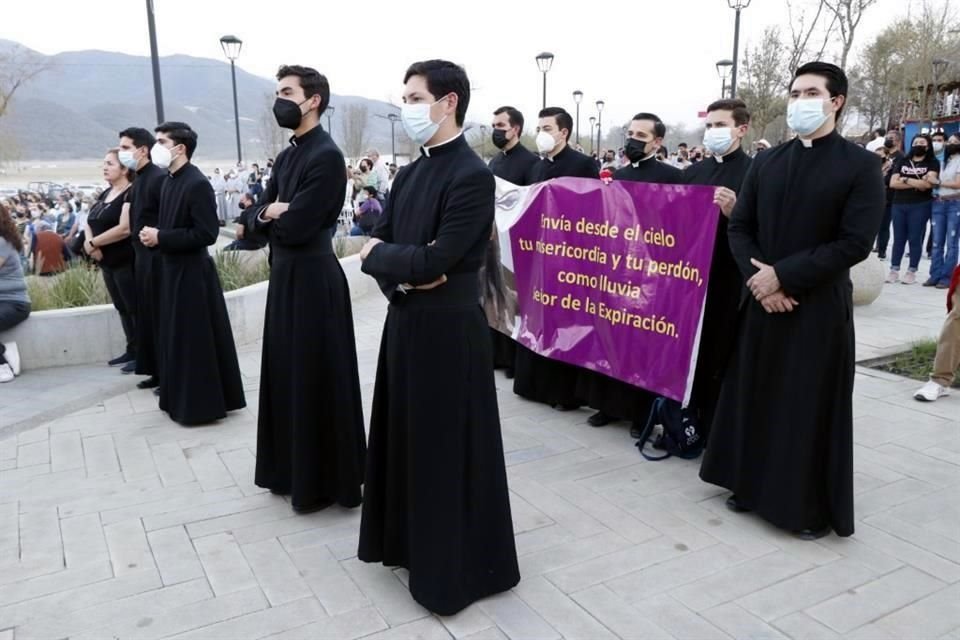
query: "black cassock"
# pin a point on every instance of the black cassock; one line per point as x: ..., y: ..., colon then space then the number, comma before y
x: 538, y: 378
x: 719, y: 329
x: 610, y: 396
x: 145, y: 212
x: 310, y: 437
x: 513, y: 165
x: 782, y: 438
x: 435, y: 498
x: 197, y: 358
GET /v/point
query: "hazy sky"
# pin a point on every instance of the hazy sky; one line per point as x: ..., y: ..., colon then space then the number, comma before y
x: 650, y: 55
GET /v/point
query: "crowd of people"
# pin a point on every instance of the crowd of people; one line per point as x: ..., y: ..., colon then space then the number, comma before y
x: 777, y: 323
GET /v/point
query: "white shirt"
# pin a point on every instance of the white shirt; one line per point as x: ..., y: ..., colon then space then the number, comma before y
x: 383, y: 174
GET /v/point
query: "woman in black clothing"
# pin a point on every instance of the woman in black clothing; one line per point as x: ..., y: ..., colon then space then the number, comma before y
x: 107, y: 233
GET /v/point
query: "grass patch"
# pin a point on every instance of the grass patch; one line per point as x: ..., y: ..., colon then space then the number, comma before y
x: 917, y: 363
x: 238, y: 269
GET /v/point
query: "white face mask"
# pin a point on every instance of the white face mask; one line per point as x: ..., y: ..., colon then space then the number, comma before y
x: 806, y: 116
x: 161, y: 156
x: 545, y: 142
x: 127, y: 159
x: 718, y: 140
x: 417, y: 123
x: 937, y: 147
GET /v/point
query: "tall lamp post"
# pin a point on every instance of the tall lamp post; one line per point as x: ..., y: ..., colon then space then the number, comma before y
x: 544, y: 62
x: 939, y: 67
x: 738, y: 6
x: 600, y: 105
x: 155, y: 60
x: 723, y: 70
x: 329, y: 113
x: 393, y: 119
x: 593, y: 122
x: 577, y: 97
x: 231, y: 48
x: 483, y: 142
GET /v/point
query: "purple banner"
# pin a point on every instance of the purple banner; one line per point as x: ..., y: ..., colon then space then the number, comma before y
x: 613, y: 277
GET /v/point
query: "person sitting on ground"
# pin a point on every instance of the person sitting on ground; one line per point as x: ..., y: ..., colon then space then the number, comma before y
x: 245, y: 241
x: 947, y: 360
x: 368, y: 214
x: 14, y: 299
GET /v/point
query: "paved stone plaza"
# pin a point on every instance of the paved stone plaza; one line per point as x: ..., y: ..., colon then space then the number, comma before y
x: 117, y: 523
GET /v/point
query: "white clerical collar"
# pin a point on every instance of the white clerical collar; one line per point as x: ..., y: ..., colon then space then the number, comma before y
x: 719, y: 158
x: 426, y: 150
x: 807, y: 143
x: 637, y: 163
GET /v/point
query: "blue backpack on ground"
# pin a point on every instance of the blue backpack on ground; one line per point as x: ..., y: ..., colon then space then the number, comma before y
x: 681, y: 435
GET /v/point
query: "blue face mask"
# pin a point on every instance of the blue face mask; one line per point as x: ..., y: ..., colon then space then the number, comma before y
x: 806, y: 116
x: 417, y: 123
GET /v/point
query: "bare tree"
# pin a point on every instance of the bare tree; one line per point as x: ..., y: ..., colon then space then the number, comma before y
x: 809, y: 36
x: 353, y: 124
x: 18, y: 65
x: 847, y: 14
x: 272, y: 137
x: 765, y: 67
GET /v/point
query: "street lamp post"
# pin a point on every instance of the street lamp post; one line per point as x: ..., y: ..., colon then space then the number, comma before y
x: 593, y: 122
x: 330, y: 111
x: 231, y: 48
x: 723, y: 70
x: 738, y: 6
x: 939, y: 67
x: 544, y: 62
x: 155, y: 60
x: 577, y: 97
x: 483, y: 142
x: 600, y: 105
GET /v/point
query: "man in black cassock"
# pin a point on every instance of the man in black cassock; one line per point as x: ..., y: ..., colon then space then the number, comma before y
x: 538, y: 378
x: 727, y: 122
x: 135, y: 145
x: 782, y: 438
x: 614, y: 399
x: 513, y: 163
x: 435, y: 497
x: 196, y: 356
x: 310, y: 438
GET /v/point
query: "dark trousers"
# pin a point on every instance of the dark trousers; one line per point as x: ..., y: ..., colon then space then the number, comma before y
x: 909, y: 224
x: 123, y: 293
x: 11, y: 314
x: 883, y: 238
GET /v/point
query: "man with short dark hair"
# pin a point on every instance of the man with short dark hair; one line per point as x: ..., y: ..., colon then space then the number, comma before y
x: 514, y: 164
x: 614, y: 399
x: 135, y: 145
x: 538, y: 378
x: 782, y: 438
x: 197, y: 358
x: 310, y: 439
x: 435, y: 494
x: 726, y: 124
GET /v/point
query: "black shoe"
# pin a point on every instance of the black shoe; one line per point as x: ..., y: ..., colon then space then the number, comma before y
x: 509, y: 373
x: 600, y: 419
x: 636, y: 429
x: 156, y: 391
x: 566, y: 406
x: 311, y: 508
x: 812, y: 534
x: 129, y: 368
x: 882, y: 256
x: 734, y: 505
x: 931, y: 282
x: 149, y: 383
x: 119, y: 360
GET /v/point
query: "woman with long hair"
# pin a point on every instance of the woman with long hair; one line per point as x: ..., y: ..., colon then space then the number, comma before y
x: 107, y: 233
x: 14, y: 300
x: 946, y: 218
x: 912, y: 178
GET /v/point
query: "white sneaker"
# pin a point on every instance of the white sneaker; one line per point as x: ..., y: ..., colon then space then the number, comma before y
x: 909, y: 277
x: 12, y: 356
x: 893, y: 277
x: 6, y: 373
x: 930, y: 392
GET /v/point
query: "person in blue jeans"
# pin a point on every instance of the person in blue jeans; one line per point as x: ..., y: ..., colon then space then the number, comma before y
x: 912, y: 178
x: 945, y: 212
